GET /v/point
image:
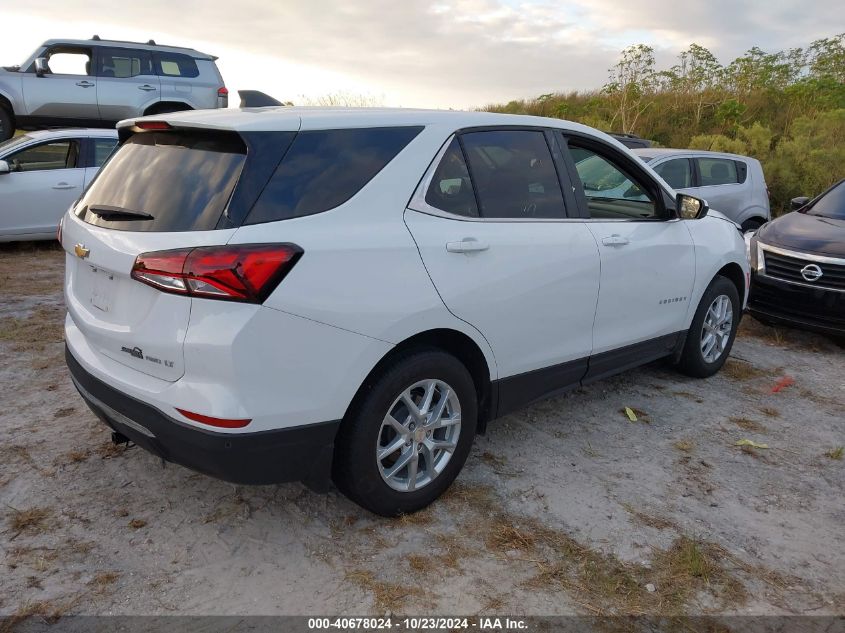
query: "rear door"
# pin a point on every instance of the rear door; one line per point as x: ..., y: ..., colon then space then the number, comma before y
x: 491, y: 225
x: 178, y: 186
x: 99, y: 149
x: 45, y: 179
x: 647, y: 258
x: 719, y: 184
x: 126, y: 83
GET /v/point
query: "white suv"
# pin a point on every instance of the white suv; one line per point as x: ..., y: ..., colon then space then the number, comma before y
x: 284, y: 294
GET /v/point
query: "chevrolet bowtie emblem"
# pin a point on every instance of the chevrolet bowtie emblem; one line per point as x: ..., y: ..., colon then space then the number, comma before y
x: 81, y: 251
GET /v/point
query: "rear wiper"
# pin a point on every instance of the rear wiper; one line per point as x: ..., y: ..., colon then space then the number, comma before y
x: 119, y: 213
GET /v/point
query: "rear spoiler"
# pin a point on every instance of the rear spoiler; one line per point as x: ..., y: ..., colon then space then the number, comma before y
x: 257, y: 99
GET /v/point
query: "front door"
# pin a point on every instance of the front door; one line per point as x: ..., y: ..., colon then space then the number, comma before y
x: 44, y: 181
x: 504, y: 257
x: 647, y: 259
x: 68, y: 91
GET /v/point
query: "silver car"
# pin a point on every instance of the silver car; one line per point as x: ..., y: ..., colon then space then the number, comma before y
x: 42, y: 173
x: 731, y: 184
x: 98, y: 82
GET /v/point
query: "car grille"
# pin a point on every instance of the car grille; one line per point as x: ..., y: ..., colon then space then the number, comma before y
x: 815, y: 306
x: 788, y: 268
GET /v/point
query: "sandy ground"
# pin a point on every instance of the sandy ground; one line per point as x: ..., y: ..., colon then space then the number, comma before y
x: 566, y: 507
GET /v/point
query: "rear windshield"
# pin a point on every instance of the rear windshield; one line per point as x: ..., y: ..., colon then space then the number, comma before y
x: 165, y: 181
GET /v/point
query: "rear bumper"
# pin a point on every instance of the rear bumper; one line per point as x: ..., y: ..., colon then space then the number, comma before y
x: 797, y: 306
x: 300, y: 453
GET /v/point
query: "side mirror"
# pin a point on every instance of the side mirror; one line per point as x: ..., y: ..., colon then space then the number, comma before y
x: 690, y: 207
x: 4, y: 167
x: 799, y: 202
x: 41, y: 66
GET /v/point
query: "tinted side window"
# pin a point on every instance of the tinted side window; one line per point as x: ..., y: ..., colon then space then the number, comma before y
x: 610, y: 191
x: 676, y: 172
x: 175, y: 65
x: 324, y: 168
x: 102, y: 149
x: 122, y: 63
x: 717, y: 171
x: 513, y: 174
x: 56, y: 155
x: 450, y: 189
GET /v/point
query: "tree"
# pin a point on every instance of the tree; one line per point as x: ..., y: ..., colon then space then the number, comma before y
x: 698, y: 77
x: 632, y: 83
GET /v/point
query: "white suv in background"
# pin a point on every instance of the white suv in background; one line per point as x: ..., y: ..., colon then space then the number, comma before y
x: 296, y: 294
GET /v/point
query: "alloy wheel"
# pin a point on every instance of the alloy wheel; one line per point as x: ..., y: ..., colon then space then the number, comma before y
x: 418, y: 435
x: 716, y: 329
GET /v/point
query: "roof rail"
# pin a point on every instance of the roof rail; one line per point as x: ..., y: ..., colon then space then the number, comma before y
x: 149, y: 42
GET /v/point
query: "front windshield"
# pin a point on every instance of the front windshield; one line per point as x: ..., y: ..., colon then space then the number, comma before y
x: 831, y: 204
x: 12, y: 143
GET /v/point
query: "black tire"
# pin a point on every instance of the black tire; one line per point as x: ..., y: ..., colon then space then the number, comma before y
x: 751, y: 225
x: 692, y: 361
x: 356, y: 468
x: 6, y: 127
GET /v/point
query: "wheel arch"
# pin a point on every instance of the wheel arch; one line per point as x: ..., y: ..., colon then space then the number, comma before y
x: 163, y: 107
x: 6, y: 105
x: 734, y: 273
x: 459, y: 345
x: 754, y: 212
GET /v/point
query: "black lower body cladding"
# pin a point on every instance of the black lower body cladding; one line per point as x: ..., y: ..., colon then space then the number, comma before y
x: 302, y: 453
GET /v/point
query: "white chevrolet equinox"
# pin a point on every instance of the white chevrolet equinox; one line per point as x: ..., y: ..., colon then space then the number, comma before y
x: 285, y: 294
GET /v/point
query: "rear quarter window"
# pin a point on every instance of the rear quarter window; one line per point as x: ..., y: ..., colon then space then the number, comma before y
x: 717, y: 171
x: 175, y: 65
x: 322, y: 169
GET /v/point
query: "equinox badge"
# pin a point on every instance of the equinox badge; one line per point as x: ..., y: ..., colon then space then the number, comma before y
x: 81, y: 251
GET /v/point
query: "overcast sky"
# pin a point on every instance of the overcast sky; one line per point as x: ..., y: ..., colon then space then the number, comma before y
x: 435, y: 53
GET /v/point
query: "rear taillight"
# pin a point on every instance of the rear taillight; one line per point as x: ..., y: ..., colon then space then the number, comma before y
x: 238, y: 272
x: 223, y: 91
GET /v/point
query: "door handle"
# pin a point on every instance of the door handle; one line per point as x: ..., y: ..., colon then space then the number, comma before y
x: 467, y: 245
x: 615, y: 240
x: 64, y: 185
x: 85, y: 84
x: 147, y: 87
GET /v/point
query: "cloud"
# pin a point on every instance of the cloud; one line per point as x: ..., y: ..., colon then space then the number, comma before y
x: 459, y: 52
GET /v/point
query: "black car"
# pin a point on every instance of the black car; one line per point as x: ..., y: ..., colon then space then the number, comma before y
x: 631, y: 141
x: 798, y: 265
